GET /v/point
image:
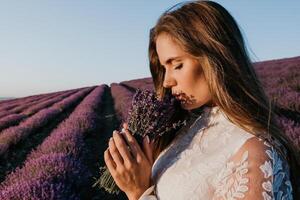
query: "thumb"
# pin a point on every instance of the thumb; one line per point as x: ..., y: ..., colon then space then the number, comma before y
x: 148, y: 149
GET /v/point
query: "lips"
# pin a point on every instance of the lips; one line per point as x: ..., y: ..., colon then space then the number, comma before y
x: 180, y: 96
x: 181, y: 99
x: 177, y: 93
x: 177, y: 96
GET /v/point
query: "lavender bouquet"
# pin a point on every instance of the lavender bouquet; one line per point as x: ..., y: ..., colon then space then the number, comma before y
x: 148, y: 116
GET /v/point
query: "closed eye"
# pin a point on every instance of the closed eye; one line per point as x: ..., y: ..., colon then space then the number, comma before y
x: 178, y: 67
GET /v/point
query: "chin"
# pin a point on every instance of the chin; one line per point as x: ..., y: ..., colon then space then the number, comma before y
x: 190, y: 107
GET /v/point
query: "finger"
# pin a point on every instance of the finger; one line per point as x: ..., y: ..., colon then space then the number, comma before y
x: 135, y: 147
x: 148, y: 149
x: 122, y: 148
x: 114, y: 152
x: 133, y: 151
x: 110, y: 164
x: 125, y: 125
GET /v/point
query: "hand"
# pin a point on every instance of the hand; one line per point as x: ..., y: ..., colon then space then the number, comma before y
x: 131, y: 171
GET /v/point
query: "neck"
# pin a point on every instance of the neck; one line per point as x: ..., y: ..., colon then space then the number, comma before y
x: 197, y: 111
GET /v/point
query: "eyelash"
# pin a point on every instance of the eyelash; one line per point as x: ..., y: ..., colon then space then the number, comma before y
x: 178, y: 67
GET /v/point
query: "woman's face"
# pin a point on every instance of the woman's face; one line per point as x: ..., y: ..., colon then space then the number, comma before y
x: 183, y: 74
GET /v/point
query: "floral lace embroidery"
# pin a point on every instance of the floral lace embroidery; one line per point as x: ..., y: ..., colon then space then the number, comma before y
x: 232, y: 187
x: 278, y: 184
x: 230, y: 183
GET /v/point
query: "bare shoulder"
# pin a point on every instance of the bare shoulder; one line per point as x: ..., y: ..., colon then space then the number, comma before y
x: 256, y: 150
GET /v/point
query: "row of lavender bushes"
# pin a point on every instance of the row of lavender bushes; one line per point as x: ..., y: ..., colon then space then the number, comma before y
x: 54, y: 170
x: 10, y: 104
x: 291, y: 129
x: 143, y: 83
x: 14, y: 100
x: 281, y: 80
x: 22, y: 99
x: 27, y: 104
x: 15, y: 118
x: 15, y: 134
x: 122, y: 100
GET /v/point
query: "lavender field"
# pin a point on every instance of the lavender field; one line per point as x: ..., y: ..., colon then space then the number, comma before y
x: 51, y: 145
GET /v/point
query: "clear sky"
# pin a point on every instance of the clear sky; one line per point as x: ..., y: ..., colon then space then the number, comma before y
x: 54, y: 45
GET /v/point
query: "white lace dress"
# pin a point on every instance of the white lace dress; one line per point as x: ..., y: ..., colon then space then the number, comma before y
x: 215, y: 159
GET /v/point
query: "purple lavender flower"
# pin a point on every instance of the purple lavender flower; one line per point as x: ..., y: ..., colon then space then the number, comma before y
x: 150, y: 116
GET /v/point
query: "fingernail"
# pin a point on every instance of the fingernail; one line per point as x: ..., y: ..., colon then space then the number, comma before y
x: 123, y: 130
x: 147, y: 139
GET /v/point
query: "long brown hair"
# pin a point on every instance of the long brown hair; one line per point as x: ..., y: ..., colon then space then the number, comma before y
x: 208, y: 32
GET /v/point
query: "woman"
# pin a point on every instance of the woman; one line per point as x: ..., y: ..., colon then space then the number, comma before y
x: 233, y: 149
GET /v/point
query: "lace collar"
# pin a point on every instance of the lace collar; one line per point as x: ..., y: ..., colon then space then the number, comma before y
x: 205, y: 111
x: 197, y: 117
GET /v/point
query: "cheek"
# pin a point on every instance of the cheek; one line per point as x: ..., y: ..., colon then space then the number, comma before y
x: 201, y: 90
x: 193, y: 82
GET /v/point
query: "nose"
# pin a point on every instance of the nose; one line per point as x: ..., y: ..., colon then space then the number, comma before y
x: 168, y: 81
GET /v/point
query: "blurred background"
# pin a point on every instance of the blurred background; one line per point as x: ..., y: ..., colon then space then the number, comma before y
x: 48, y: 46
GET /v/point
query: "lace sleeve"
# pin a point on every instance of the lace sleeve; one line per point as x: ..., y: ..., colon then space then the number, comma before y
x: 255, y: 171
x: 149, y: 194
